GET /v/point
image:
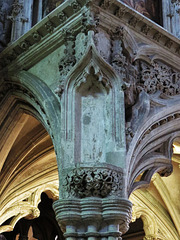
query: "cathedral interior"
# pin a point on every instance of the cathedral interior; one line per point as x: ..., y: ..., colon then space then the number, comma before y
x: 89, y: 87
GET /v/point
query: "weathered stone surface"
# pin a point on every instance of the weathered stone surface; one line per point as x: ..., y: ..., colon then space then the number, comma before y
x: 5, y: 23
x: 93, y: 71
x: 93, y: 182
x: 101, y: 218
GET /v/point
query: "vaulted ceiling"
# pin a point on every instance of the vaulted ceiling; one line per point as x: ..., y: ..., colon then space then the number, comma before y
x: 28, y: 167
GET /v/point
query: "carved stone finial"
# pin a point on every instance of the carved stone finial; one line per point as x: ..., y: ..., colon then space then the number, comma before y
x: 17, y: 7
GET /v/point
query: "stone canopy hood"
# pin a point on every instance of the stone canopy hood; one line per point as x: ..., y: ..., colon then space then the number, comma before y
x: 109, y: 104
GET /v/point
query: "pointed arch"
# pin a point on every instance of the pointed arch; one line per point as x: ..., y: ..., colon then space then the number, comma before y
x: 157, y: 222
x: 151, y: 146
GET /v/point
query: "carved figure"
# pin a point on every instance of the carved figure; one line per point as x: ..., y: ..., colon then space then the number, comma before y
x: 147, y: 8
x: 5, y: 24
x: 50, y: 5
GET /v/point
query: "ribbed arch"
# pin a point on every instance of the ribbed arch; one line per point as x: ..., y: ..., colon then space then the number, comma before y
x: 28, y: 163
x: 151, y: 146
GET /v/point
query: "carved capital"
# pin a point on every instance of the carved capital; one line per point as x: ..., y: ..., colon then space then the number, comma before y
x: 93, y: 182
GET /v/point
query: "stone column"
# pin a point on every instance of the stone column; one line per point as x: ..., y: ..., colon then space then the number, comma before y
x: 18, y: 19
x: 171, y: 16
x: 93, y: 202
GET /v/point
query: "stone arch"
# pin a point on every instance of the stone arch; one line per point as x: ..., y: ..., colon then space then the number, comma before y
x: 156, y: 136
x: 155, y: 219
x: 23, y: 106
x: 39, y: 96
x: 27, y: 206
x: 163, y: 190
x: 37, y: 93
x: 29, y: 168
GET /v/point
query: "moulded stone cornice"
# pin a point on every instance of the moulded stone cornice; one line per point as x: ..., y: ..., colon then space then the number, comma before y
x: 47, y: 35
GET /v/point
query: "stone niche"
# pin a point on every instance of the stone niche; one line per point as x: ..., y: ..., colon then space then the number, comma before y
x: 93, y: 111
x: 92, y: 118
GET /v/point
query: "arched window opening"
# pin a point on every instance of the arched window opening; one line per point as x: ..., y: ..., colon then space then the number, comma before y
x: 44, y: 227
x: 136, y: 231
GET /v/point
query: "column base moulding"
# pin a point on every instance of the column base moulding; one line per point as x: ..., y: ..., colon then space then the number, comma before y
x: 93, y: 217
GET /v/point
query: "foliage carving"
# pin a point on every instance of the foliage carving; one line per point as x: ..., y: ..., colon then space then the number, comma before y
x: 93, y: 182
x: 159, y: 77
